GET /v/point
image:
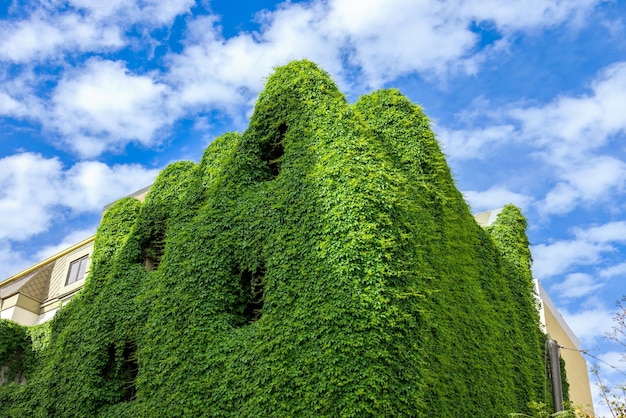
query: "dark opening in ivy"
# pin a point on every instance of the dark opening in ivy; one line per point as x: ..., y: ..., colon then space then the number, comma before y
x: 272, y: 152
x: 152, y: 252
x: 109, y: 368
x: 129, y: 371
x: 12, y: 370
x: 126, y: 371
x: 253, y: 285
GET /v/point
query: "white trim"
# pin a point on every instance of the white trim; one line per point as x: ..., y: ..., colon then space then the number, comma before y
x: 547, y: 303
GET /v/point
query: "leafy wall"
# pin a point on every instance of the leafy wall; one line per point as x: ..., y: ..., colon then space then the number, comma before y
x: 322, y: 263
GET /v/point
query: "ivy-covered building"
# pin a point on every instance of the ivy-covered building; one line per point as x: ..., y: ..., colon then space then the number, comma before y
x: 322, y: 263
x: 34, y: 295
x: 554, y: 326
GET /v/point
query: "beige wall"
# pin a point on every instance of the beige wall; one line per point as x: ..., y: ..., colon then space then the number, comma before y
x: 575, y: 364
x: 34, y: 297
x: 21, y: 309
x: 45, y: 282
x: 488, y: 217
x: 60, y: 271
x: 21, y: 315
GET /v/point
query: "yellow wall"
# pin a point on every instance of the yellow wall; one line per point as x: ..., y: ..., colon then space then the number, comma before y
x: 21, y: 309
x: 575, y: 364
x: 24, y: 308
x: 61, y: 268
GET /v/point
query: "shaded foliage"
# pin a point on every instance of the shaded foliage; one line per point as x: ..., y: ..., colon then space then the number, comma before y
x: 14, y: 351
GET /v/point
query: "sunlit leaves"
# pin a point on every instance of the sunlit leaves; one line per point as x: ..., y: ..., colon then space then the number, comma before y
x: 381, y: 295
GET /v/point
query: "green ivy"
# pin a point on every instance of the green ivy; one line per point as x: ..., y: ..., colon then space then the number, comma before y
x: 322, y: 263
x: 509, y: 235
x: 15, y: 350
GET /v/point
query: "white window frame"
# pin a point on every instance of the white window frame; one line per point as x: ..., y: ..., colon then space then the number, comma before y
x: 77, y: 270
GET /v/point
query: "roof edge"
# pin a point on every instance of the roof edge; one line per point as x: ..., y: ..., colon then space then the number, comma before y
x: 48, y: 260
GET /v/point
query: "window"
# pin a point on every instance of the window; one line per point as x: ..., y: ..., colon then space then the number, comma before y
x: 77, y: 270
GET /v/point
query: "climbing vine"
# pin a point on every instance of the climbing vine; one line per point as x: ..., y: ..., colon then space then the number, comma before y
x: 322, y: 263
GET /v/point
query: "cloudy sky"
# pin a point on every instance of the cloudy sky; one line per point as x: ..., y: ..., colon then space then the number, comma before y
x: 527, y: 98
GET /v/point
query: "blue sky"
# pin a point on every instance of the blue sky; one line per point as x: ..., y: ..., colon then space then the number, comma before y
x: 528, y: 100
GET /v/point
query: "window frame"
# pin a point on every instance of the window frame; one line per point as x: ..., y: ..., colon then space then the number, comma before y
x: 81, y: 264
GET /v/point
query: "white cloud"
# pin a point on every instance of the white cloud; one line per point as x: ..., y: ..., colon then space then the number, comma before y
x: 609, y: 232
x: 201, y: 74
x: 34, y: 188
x: 389, y: 39
x: 100, y: 106
x: 597, y: 176
x: 17, y: 94
x: 103, y: 106
x: 152, y: 12
x: 495, y: 197
x: 473, y: 143
x: 29, y: 184
x: 613, y: 271
x: 586, y: 182
x: 46, y: 35
x: 392, y: 38
x: 91, y: 184
x: 217, y: 72
x: 576, y: 285
x: 526, y: 15
x: 589, y: 325
x: 569, y: 127
x: 586, y: 248
x: 384, y: 39
x: 10, y: 106
x: 613, y: 362
x: 558, y: 257
x: 62, y: 27
x: 68, y: 240
x: 12, y: 261
x: 563, y: 198
x: 573, y: 129
x: 568, y: 134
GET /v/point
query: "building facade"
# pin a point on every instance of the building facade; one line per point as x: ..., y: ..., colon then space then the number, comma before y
x: 34, y: 295
x: 555, y: 327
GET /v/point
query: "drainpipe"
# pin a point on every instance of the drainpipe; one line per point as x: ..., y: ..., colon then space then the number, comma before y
x: 555, y: 375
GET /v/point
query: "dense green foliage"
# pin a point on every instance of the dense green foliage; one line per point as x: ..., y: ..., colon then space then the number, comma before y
x: 21, y: 351
x: 322, y: 263
x: 14, y: 350
x: 508, y: 233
